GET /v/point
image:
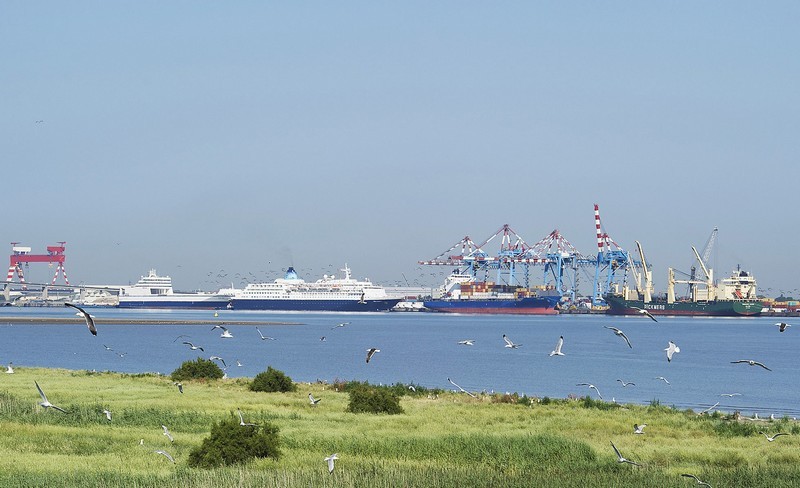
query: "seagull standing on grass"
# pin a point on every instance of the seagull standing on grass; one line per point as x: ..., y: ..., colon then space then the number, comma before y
x: 621, y: 459
x: 592, y: 387
x: 45, y: 402
x: 10, y: 369
x: 559, y: 345
x: 620, y: 333
x: 330, y: 459
x: 88, y: 318
x: 671, y: 349
x: 509, y: 343
x: 751, y: 363
x: 461, y: 389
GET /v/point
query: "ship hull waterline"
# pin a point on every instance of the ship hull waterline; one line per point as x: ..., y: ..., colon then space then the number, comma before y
x: 315, y: 305
x: 718, y: 308
x: 526, y: 306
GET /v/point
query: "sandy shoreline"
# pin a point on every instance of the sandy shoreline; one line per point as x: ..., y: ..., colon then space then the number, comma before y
x: 97, y: 320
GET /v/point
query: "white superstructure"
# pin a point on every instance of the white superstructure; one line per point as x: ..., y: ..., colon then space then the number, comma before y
x: 154, y: 291
x: 292, y: 287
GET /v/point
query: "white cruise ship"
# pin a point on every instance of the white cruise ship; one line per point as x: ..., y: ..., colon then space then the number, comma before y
x: 329, y: 294
x: 154, y: 291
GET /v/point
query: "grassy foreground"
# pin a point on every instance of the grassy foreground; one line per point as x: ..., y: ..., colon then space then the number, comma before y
x: 449, y: 441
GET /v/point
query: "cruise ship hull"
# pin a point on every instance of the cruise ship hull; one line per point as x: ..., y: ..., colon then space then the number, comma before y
x: 521, y: 306
x: 175, y: 302
x: 717, y: 308
x: 314, y: 305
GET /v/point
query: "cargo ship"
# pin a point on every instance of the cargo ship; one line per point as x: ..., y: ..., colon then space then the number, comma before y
x: 461, y: 294
x: 154, y: 291
x: 329, y: 294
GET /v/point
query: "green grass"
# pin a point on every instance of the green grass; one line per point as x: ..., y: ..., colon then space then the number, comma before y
x: 442, y: 440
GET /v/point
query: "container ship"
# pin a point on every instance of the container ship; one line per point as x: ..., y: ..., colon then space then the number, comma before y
x: 329, y: 294
x: 154, y: 291
x: 460, y: 294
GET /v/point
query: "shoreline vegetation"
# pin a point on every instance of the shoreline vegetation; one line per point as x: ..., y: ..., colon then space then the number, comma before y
x: 443, y: 438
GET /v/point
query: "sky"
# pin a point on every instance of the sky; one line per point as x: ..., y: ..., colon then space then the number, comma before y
x: 222, y: 138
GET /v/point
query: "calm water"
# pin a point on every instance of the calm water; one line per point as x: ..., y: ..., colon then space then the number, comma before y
x: 423, y: 349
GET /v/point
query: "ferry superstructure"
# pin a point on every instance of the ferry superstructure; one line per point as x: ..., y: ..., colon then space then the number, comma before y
x: 329, y: 294
x: 154, y: 291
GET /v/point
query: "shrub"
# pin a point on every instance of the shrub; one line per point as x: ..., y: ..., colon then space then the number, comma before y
x: 272, y: 380
x: 398, y: 389
x: 368, y: 399
x: 198, y: 369
x: 231, y: 443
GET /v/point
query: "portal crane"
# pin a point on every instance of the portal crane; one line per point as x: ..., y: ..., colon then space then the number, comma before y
x: 22, y: 254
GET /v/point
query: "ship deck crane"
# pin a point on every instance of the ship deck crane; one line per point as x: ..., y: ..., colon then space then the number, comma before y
x: 707, y: 249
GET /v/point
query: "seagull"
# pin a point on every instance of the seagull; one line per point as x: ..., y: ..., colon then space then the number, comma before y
x: 10, y: 369
x: 671, y: 349
x: 639, y: 429
x: 662, y: 379
x: 782, y: 326
x: 239, y: 363
x: 165, y: 453
x: 263, y: 337
x: 592, y: 387
x: 241, y: 419
x: 107, y: 348
x: 620, y: 333
x: 45, y: 402
x: 88, y: 318
x: 751, y: 363
x: 509, y: 343
x: 770, y: 439
x: 182, y: 335
x: 225, y: 332
x: 557, y: 350
x: 371, y: 352
x: 179, y: 385
x: 193, y: 347
x: 330, y: 459
x: 645, y: 312
x: 467, y: 342
x: 626, y: 383
x: 108, y: 414
x: 322, y: 339
x: 621, y: 459
x: 463, y: 390
x: 709, y: 409
x: 698, y: 480
x: 166, y: 433
x: 340, y: 325
x: 217, y: 358
x: 731, y: 395
x: 362, y: 300
x: 313, y: 400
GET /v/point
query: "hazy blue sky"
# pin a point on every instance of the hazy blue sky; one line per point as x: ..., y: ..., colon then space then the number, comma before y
x: 248, y: 136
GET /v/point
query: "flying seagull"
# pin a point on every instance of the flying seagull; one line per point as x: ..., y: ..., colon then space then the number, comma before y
x: 108, y: 414
x: 731, y: 395
x: 166, y: 454
x: 467, y: 342
x: 217, y: 358
x: 698, y: 480
x: 166, y: 433
x: 226, y: 334
x: 371, y: 352
x: 182, y: 335
x: 709, y: 409
x: 671, y: 349
x: 620, y: 333
x: 10, y: 369
x: 662, y: 379
x: 751, y: 363
x: 179, y: 385
x: 645, y: 312
x: 45, y: 402
x: 241, y: 419
x: 592, y: 387
x: 509, y: 343
x: 773, y: 437
x: 782, y: 326
x: 193, y: 347
x: 639, y: 429
x: 461, y: 389
x: 330, y: 459
x: 621, y: 459
x: 626, y: 383
x: 340, y: 325
x: 557, y: 350
x: 263, y: 337
x: 313, y: 400
x: 88, y: 318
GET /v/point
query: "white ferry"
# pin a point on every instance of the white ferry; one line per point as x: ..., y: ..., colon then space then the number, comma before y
x: 154, y: 291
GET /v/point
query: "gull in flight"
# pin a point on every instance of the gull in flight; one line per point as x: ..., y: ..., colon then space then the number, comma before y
x: 592, y: 387
x: 330, y: 459
x: 10, y: 369
x: 166, y: 454
x: 179, y: 385
x: 557, y: 350
x: 88, y: 318
x: 166, y: 433
x: 671, y: 349
x: 217, y: 358
x: 263, y: 337
x: 182, y: 335
x: 467, y: 342
x: 770, y: 439
x: 662, y: 379
x: 509, y: 343
x: 313, y: 400
x: 239, y: 363
x: 108, y: 414
x: 621, y: 459
x: 371, y: 352
x: 709, y: 409
x: 645, y: 312
x: 782, y: 326
x: 620, y: 333
x: 639, y: 429
x: 461, y: 389
x: 45, y: 402
x: 340, y: 325
x: 241, y: 419
x: 193, y: 347
x: 226, y: 334
x: 751, y: 363
x: 626, y: 383
x: 731, y: 395
x: 698, y: 480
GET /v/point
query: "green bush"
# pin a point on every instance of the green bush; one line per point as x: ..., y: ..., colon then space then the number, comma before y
x: 231, y: 443
x: 369, y: 399
x: 272, y: 380
x: 198, y: 369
